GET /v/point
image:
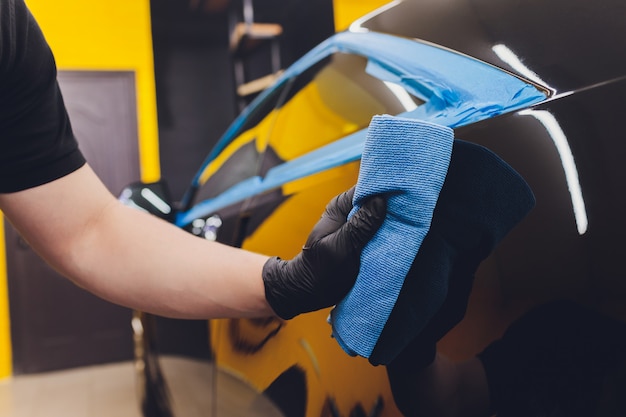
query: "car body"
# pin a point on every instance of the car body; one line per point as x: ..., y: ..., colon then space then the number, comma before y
x: 540, y: 83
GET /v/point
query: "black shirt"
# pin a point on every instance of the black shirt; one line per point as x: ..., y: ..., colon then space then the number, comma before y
x: 36, y: 140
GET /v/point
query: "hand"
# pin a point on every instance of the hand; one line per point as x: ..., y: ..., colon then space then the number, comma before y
x: 323, y: 273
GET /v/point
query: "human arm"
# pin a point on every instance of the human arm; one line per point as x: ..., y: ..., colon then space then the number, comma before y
x: 134, y: 259
x: 131, y: 258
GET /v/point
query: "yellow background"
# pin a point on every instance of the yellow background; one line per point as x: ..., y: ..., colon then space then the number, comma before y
x: 346, y: 11
x: 96, y: 35
x: 5, y: 329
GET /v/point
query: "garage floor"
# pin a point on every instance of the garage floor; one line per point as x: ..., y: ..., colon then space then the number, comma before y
x: 109, y: 390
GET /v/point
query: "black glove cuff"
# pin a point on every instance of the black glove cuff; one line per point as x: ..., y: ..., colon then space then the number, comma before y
x: 276, y: 294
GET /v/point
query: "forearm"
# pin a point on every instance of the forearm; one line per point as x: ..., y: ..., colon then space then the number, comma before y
x: 137, y: 260
x: 164, y: 270
x: 132, y: 258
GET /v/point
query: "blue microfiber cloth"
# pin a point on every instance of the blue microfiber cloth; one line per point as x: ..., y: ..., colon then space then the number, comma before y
x: 406, y: 160
x: 482, y: 199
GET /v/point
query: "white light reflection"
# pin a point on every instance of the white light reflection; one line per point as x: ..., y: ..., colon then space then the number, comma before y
x: 508, y: 56
x: 402, y: 95
x: 156, y: 201
x: 567, y: 160
x: 137, y: 326
x: 357, y: 25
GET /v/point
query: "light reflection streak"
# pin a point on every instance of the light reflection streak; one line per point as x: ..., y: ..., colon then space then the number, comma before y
x: 156, y: 201
x: 402, y: 95
x: 357, y: 25
x: 508, y: 56
x: 567, y: 161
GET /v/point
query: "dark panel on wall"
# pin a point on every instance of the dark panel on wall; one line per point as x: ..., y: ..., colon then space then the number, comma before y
x: 193, y: 85
x: 194, y: 72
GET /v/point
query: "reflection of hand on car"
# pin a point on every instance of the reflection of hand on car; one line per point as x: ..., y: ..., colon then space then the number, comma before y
x: 326, y: 269
x: 559, y: 359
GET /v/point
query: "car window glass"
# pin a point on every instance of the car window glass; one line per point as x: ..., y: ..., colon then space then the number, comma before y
x: 333, y: 98
x: 328, y: 102
x: 237, y: 158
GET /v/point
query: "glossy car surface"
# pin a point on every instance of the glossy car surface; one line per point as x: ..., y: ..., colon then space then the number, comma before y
x: 540, y: 83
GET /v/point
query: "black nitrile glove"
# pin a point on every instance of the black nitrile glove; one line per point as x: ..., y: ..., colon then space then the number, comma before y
x: 323, y: 273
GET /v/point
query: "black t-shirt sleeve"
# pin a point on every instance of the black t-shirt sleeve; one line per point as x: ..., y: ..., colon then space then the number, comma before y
x: 36, y: 140
x: 553, y: 361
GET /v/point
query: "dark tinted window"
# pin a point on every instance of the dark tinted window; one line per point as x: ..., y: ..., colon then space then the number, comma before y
x: 239, y: 158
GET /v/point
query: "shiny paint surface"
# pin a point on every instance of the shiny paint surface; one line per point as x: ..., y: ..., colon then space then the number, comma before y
x: 569, y: 45
x: 570, y: 148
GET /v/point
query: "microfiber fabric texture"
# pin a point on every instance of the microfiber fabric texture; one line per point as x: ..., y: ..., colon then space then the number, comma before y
x: 406, y: 160
x: 481, y: 201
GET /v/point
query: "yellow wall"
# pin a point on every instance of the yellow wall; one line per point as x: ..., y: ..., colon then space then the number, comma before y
x: 346, y: 11
x: 5, y: 330
x: 96, y: 35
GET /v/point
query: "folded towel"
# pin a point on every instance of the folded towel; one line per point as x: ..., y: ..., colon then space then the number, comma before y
x: 406, y: 160
x: 482, y: 199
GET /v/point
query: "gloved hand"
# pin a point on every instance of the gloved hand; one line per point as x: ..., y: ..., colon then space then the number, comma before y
x: 326, y: 269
